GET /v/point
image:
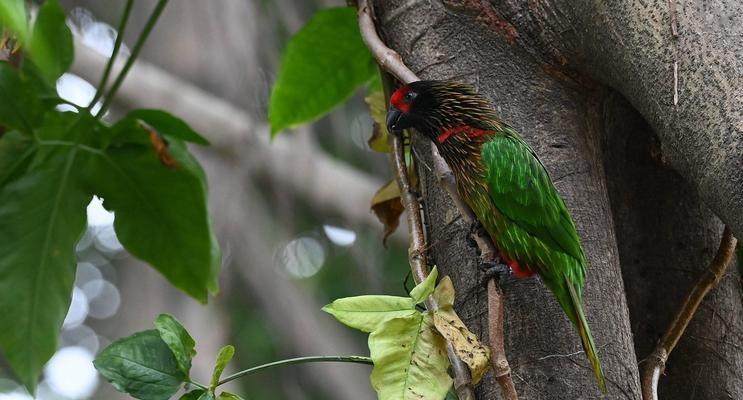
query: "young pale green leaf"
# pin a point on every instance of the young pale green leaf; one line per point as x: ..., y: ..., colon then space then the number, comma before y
x: 21, y: 107
x: 228, y: 396
x: 193, y: 395
x: 178, y: 340
x: 368, y: 313
x: 207, y: 396
x: 161, y: 214
x: 223, y: 358
x: 410, y: 360
x: 13, y: 17
x: 141, y: 365
x: 42, y: 215
x: 425, y: 288
x: 324, y: 63
x: 451, y: 327
x: 167, y: 125
x: 51, y: 42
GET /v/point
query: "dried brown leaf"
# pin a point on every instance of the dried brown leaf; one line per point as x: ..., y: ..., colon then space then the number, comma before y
x: 387, y: 206
x: 451, y: 327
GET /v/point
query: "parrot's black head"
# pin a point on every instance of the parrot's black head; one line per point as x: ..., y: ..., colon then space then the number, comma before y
x: 431, y: 107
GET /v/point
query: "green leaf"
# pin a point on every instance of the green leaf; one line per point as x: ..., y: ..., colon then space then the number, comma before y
x: 410, y: 360
x: 207, y: 396
x: 16, y: 151
x: 425, y: 288
x: 141, y: 365
x: 42, y: 216
x: 178, y: 340
x: 20, y: 106
x: 161, y: 214
x: 228, y: 396
x: 167, y: 125
x: 193, y: 395
x: 223, y: 358
x: 51, y: 42
x: 322, y: 66
x: 368, y: 313
x: 13, y: 17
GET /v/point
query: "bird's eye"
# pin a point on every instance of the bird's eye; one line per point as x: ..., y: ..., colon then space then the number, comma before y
x: 409, y: 97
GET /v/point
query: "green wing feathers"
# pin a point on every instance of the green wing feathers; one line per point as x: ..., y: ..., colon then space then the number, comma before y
x: 522, y: 191
x: 530, y: 223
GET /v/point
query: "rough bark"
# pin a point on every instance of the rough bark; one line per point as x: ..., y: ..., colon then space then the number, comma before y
x: 560, y: 122
x: 666, y: 239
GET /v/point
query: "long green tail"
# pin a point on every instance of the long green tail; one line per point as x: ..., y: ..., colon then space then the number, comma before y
x: 579, y: 319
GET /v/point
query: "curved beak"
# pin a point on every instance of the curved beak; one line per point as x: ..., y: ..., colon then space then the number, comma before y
x: 393, y: 119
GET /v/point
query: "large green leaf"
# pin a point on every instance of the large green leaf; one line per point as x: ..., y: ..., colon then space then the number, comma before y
x: 167, y: 125
x: 368, y: 313
x: 51, y: 42
x: 322, y: 66
x: 141, y: 365
x: 161, y: 214
x: 13, y: 17
x: 410, y: 360
x: 178, y: 340
x: 16, y: 150
x: 20, y: 106
x: 42, y: 215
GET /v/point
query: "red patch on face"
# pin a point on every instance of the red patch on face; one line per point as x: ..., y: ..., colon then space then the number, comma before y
x: 518, y: 270
x: 398, y: 99
x: 471, y: 132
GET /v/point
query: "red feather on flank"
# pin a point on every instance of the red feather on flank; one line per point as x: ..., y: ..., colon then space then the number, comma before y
x: 468, y: 130
x: 397, y: 99
x: 519, y: 271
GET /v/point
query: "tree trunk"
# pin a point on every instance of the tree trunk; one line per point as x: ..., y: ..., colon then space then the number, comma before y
x: 544, y: 65
x: 666, y: 238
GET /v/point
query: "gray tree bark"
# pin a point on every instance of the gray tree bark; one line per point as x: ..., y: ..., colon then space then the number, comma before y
x: 666, y: 238
x: 547, y: 65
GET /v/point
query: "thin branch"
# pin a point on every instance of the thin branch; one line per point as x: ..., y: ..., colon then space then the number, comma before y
x: 298, y: 360
x: 115, y: 53
x: 391, y: 61
x: 656, y: 361
x: 149, y: 25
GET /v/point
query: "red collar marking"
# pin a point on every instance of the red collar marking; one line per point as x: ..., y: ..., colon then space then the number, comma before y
x: 468, y: 130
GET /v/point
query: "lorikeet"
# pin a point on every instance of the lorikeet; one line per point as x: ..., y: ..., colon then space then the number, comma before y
x: 501, y: 178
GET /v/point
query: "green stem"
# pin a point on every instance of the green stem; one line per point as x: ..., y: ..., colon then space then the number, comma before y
x: 300, y: 360
x: 133, y: 56
x: 114, y: 53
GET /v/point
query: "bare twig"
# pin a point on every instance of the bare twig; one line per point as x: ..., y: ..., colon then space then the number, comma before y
x: 391, y: 61
x: 656, y: 362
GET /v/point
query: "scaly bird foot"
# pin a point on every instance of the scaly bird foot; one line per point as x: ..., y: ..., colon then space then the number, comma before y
x: 497, y: 270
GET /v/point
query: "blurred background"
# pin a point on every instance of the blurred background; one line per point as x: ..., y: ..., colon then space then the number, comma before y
x: 292, y: 215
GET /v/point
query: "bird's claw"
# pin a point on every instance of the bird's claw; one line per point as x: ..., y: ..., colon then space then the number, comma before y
x: 497, y: 270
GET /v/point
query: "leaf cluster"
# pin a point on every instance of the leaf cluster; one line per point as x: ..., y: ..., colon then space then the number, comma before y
x: 156, y: 363
x: 407, y: 346
x: 51, y: 165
